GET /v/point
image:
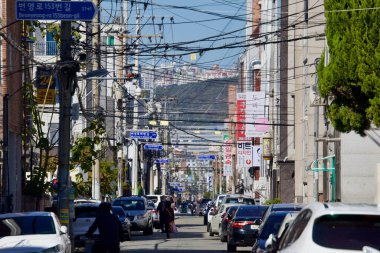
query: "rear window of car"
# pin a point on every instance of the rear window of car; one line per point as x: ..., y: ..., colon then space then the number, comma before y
x: 27, y: 225
x: 153, y: 198
x: 250, y: 211
x: 349, y: 232
x: 239, y: 200
x: 86, y: 212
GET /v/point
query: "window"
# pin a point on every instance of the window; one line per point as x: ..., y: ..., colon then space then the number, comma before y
x: 53, y: 133
x: 27, y: 225
x: 296, y: 228
x: 130, y: 204
x: 349, y: 232
x: 86, y: 212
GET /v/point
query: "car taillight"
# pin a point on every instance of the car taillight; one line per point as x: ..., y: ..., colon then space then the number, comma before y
x: 241, y: 224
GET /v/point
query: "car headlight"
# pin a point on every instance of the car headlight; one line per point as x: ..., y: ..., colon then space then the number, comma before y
x: 56, y: 249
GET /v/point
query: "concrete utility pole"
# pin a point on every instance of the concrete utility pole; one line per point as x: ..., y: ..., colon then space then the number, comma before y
x: 67, y: 71
x: 96, y: 105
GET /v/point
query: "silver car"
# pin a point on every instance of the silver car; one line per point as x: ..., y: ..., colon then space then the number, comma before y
x: 85, y: 214
x: 138, y: 212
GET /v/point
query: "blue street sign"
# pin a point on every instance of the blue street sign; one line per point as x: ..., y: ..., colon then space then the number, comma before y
x: 153, y: 147
x: 206, y: 157
x: 143, y: 135
x: 162, y: 161
x: 53, y: 10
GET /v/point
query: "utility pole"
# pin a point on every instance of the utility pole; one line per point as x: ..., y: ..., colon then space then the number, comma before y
x: 220, y: 171
x: 67, y: 71
x: 96, y: 104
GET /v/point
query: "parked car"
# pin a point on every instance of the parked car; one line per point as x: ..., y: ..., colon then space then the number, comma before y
x: 226, y: 219
x: 243, y: 228
x: 217, y: 218
x: 36, y: 232
x: 331, y: 227
x: 85, y: 214
x: 271, y: 225
x: 219, y: 200
x: 126, y: 224
x: 238, y: 199
x: 281, y: 207
x: 155, y: 214
x: 138, y: 212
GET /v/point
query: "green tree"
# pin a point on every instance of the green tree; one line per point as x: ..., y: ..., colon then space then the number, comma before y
x: 351, y: 79
x: 108, y: 178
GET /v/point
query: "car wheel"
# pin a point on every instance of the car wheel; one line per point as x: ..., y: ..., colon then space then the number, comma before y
x: 231, y: 247
x: 223, y: 238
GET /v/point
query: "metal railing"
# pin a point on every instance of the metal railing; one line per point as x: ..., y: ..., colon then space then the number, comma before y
x: 45, y: 48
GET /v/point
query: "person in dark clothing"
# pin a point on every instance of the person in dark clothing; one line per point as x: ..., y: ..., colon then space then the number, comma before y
x: 160, y: 209
x: 167, y: 218
x: 110, y: 230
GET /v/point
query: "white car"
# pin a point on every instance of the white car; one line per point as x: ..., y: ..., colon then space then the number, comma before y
x: 331, y: 227
x: 217, y: 218
x: 85, y: 214
x: 36, y: 232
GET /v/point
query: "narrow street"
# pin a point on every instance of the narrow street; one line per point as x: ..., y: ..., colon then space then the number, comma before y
x: 192, y: 237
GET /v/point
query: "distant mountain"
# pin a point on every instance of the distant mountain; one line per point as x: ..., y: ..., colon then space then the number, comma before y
x: 203, y: 103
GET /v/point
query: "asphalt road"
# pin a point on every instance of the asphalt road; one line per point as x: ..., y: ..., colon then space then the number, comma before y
x: 191, y: 238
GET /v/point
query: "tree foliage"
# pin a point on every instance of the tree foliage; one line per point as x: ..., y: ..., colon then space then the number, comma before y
x: 351, y: 80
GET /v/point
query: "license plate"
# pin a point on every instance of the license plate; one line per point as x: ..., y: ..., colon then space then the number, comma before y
x: 254, y: 226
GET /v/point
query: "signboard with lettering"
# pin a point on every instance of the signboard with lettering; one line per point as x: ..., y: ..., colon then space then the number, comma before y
x: 53, y: 10
x: 45, y: 84
x: 143, y: 135
x: 153, y: 147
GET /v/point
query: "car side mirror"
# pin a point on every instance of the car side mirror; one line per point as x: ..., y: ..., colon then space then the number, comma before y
x: 258, y: 222
x: 63, y: 229
x: 271, y: 244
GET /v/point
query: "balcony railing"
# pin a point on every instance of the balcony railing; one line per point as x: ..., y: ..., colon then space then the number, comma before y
x: 48, y: 48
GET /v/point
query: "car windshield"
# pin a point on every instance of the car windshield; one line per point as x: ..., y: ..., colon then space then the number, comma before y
x: 240, y: 200
x: 86, y: 212
x: 272, y: 225
x: 349, y: 232
x: 130, y: 204
x: 118, y: 211
x: 26, y: 225
x: 250, y: 211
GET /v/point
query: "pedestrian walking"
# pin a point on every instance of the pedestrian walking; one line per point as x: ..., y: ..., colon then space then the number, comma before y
x: 168, y: 218
x: 110, y: 230
x: 160, y: 209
